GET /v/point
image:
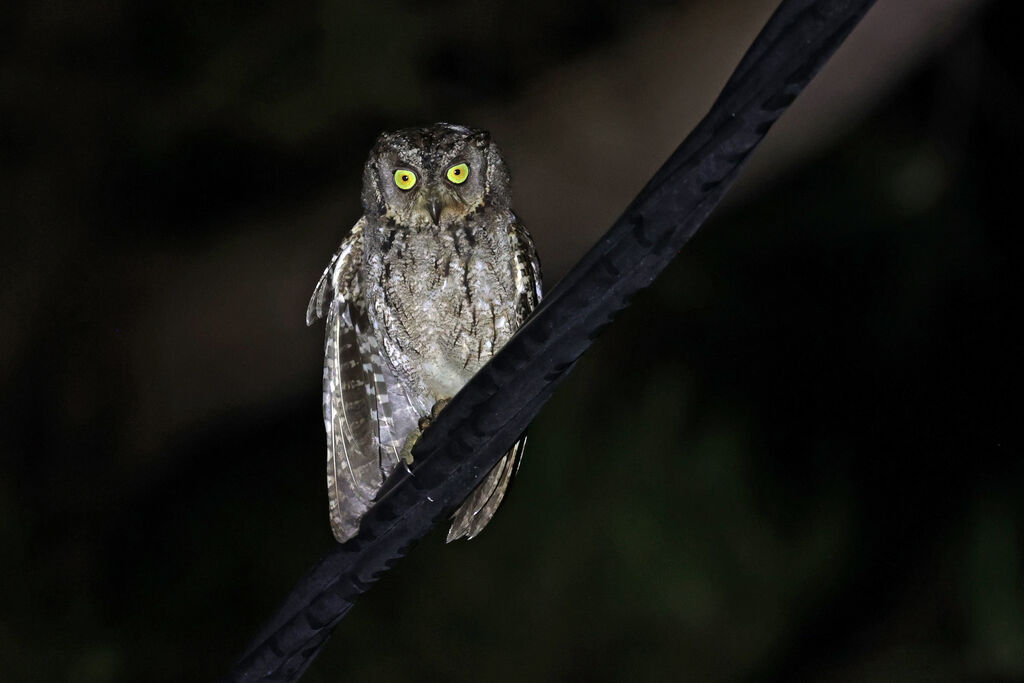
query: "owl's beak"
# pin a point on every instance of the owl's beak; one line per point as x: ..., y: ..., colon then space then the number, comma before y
x: 434, y: 207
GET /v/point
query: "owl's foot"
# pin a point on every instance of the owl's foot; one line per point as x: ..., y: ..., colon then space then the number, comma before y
x: 406, y: 454
x: 434, y: 412
x: 423, y: 423
x: 438, y: 407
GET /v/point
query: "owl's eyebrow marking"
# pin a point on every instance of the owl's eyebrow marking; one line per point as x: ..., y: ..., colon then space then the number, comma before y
x: 477, y: 427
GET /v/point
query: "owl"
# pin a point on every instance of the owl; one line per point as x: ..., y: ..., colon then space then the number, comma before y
x: 433, y: 279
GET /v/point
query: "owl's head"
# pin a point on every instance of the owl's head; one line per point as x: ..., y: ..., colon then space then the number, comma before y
x: 434, y: 176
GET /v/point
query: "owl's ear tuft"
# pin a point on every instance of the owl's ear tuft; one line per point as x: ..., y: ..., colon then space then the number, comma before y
x: 481, y: 139
x: 496, y: 176
x: 373, y: 194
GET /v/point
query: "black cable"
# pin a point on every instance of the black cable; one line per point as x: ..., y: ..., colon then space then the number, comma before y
x: 494, y: 408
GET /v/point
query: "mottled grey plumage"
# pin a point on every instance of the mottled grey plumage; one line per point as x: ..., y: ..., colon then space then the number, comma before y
x: 428, y: 285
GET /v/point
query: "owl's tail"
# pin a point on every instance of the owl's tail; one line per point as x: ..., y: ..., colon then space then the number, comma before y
x: 476, y: 511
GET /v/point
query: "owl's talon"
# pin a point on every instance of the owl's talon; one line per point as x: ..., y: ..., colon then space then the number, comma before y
x: 426, y: 420
x: 406, y: 453
x: 422, y: 423
x: 438, y: 407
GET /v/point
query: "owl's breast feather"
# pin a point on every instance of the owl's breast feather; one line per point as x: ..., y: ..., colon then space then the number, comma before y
x: 464, y: 323
x: 449, y: 312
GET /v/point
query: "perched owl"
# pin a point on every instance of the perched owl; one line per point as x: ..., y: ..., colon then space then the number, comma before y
x: 434, y: 278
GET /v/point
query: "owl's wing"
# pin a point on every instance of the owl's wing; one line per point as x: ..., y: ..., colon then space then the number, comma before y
x: 399, y: 415
x: 527, y: 270
x: 352, y: 387
x: 340, y: 278
x: 477, y: 510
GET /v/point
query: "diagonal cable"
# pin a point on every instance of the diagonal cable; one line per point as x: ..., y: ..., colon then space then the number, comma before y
x: 494, y: 408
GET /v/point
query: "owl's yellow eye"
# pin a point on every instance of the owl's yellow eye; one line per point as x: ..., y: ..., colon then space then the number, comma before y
x: 458, y: 173
x: 405, y: 179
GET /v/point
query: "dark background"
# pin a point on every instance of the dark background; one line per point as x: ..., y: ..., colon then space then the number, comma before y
x: 795, y: 458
